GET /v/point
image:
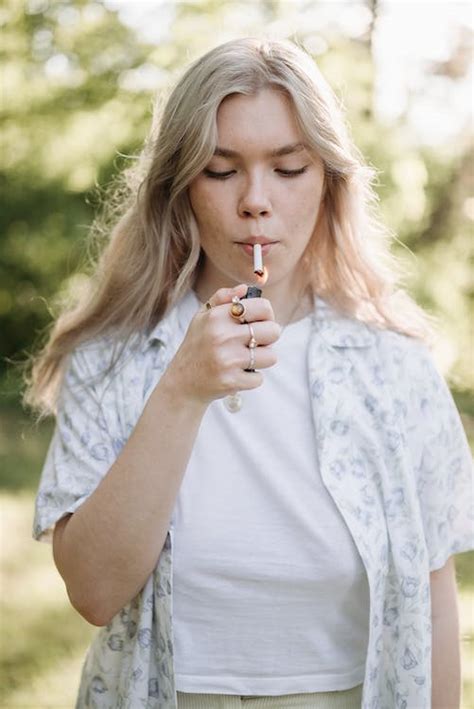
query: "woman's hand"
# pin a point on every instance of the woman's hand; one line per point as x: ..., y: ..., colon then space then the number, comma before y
x: 211, y: 360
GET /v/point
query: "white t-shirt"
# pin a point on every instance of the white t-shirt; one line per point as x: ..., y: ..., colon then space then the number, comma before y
x: 270, y: 595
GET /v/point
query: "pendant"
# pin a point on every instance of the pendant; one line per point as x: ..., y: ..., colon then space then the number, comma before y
x: 233, y: 402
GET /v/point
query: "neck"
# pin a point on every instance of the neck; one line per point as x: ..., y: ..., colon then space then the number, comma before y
x: 289, y: 305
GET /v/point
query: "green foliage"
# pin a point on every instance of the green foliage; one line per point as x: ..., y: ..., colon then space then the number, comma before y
x: 73, y: 103
x: 65, y: 117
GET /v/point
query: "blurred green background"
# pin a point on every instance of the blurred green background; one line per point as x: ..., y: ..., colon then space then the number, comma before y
x: 78, y: 79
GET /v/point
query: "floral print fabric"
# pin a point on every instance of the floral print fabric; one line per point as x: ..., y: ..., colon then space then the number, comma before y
x: 392, y: 453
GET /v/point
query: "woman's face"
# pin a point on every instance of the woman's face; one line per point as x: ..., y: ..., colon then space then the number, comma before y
x: 261, y: 182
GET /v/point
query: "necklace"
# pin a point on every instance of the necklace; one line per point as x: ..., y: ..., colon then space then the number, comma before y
x: 233, y: 402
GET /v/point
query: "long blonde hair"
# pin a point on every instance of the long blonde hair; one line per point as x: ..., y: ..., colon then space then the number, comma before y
x: 153, y: 254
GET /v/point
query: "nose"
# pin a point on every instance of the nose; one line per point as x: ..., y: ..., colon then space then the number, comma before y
x: 254, y: 200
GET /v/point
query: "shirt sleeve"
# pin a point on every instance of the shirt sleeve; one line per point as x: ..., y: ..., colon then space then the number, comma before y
x: 442, y: 461
x: 81, y: 451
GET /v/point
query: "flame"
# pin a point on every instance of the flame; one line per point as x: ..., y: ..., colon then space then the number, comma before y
x: 261, y: 280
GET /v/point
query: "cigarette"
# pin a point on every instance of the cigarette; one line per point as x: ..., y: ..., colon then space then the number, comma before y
x: 257, y: 260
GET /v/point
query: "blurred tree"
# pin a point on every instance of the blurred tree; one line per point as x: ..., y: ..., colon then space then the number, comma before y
x: 78, y: 87
x: 65, y: 115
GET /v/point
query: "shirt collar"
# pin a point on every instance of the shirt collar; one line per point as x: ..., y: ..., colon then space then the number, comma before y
x: 340, y: 330
x: 336, y: 329
x: 178, y: 317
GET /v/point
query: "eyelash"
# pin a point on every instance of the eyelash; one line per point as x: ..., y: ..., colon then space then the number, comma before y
x: 225, y: 175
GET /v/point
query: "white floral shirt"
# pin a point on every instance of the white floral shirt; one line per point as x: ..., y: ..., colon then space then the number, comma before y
x: 392, y: 453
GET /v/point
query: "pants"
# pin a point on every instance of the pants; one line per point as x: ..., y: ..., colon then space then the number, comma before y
x: 347, y: 699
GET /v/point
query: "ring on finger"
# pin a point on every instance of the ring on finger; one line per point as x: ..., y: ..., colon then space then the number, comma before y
x: 237, y: 309
x: 251, y: 367
x: 252, y: 342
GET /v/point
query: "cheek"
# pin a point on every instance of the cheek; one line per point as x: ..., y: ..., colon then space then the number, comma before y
x: 303, y: 212
x: 310, y: 204
x: 205, y: 206
x: 196, y: 200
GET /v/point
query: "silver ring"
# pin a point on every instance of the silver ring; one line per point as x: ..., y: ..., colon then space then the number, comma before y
x: 252, y: 359
x: 252, y: 342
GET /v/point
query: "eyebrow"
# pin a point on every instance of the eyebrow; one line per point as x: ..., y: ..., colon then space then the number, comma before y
x: 284, y: 150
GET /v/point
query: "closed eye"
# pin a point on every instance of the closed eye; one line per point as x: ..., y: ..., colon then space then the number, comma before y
x: 292, y: 173
x: 218, y: 175
x: 225, y: 175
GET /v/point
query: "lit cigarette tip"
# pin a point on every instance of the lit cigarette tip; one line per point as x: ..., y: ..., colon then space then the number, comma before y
x: 257, y: 260
x: 263, y: 278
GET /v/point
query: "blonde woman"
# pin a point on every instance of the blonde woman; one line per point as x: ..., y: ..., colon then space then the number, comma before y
x: 257, y: 500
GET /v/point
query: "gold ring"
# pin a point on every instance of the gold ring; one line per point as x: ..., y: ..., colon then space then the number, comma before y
x: 237, y: 309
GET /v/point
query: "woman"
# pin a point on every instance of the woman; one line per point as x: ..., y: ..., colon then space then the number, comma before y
x: 257, y: 499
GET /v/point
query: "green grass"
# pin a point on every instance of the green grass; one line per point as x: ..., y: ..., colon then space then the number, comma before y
x: 43, y: 640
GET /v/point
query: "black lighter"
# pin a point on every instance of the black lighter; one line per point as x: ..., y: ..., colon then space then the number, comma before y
x: 252, y: 292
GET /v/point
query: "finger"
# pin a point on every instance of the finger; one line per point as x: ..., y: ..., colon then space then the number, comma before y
x: 265, y: 333
x: 257, y: 309
x: 264, y: 357
x: 248, y: 380
x: 225, y: 295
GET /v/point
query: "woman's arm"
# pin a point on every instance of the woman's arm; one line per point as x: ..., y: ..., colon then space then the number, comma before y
x: 446, y: 662
x: 107, y: 549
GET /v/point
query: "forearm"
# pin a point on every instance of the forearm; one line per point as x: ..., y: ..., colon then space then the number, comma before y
x: 108, y: 548
x: 446, y: 661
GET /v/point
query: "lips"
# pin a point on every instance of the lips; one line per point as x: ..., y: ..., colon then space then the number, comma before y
x: 263, y: 240
x: 248, y: 247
